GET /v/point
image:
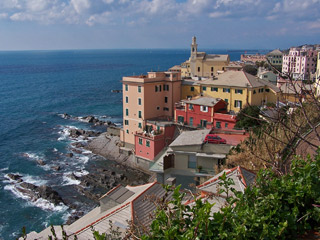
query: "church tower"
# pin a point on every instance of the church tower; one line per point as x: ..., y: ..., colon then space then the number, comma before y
x: 194, y: 47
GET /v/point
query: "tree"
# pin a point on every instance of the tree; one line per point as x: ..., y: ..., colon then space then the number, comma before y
x: 248, y: 117
x: 251, y: 69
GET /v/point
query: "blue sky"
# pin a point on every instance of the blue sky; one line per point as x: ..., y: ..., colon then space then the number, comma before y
x: 97, y: 24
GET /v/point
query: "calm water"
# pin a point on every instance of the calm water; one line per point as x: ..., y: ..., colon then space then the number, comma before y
x: 37, y: 86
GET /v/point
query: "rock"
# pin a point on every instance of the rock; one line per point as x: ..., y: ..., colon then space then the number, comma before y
x: 41, y: 162
x: 66, y: 116
x: 14, y: 176
x: 48, y: 193
x: 76, y: 150
x: 56, y: 168
x: 69, y: 155
x: 29, y: 186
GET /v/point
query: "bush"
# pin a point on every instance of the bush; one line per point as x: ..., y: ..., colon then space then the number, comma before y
x: 275, y: 208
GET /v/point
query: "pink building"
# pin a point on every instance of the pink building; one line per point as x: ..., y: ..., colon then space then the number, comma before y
x: 158, y: 135
x: 147, y: 97
x: 300, y: 62
x: 204, y: 112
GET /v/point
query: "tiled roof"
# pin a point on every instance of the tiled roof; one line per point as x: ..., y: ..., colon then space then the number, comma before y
x: 240, y: 176
x: 212, y: 57
x: 132, y: 205
x: 239, y: 79
x: 204, y: 101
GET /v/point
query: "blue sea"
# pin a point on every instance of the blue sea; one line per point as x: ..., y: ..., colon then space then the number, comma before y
x: 36, y: 88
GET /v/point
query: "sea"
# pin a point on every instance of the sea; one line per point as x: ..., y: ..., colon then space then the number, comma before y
x: 37, y: 88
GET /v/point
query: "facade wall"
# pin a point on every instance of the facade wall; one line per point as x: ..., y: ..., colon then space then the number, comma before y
x: 300, y: 62
x: 317, y: 82
x: 247, y: 95
x: 146, y: 97
x: 275, y: 59
x: 190, y: 91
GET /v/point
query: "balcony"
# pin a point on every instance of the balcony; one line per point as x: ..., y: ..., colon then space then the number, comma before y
x: 180, y: 106
x: 153, y: 135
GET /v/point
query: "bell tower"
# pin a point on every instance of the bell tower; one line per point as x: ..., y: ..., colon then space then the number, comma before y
x: 194, y: 47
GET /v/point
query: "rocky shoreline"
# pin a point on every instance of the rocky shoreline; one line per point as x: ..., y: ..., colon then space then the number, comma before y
x: 101, y: 175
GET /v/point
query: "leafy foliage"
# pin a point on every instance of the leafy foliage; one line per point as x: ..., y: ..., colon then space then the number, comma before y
x: 251, y: 69
x: 277, y: 207
x: 248, y: 117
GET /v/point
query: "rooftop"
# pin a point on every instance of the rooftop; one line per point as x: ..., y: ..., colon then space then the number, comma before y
x: 190, y: 138
x: 204, y: 101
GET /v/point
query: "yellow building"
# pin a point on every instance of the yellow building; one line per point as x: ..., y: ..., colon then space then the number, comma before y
x: 201, y: 64
x: 238, y: 88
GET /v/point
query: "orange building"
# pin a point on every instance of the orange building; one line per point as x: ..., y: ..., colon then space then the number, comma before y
x: 148, y: 97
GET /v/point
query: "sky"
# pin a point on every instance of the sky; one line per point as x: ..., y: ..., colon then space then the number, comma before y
x: 110, y: 24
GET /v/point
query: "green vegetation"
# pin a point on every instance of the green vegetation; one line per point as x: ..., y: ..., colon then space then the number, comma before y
x: 277, y: 207
x: 251, y: 69
x: 248, y: 118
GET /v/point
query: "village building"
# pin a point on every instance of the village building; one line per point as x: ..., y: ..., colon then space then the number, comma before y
x: 317, y: 82
x: 204, y: 112
x: 203, y: 65
x: 252, y: 58
x: 116, y: 210
x: 234, y: 66
x: 241, y: 177
x: 189, y: 156
x: 269, y: 76
x: 237, y: 88
x: 147, y: 97
x: 300, y: 63
x: 275, y: 58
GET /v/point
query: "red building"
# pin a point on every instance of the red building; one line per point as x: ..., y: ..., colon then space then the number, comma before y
x: 204, y: 112
x: 158, y: 134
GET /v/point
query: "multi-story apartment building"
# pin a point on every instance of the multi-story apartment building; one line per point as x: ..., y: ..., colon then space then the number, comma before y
x: 201, y: 64
x: 146, y: 98
x: 317, y: 82
x: 275, y: 58
x: 204, y: 112
x: 300, y: 63
x: 237, y: 88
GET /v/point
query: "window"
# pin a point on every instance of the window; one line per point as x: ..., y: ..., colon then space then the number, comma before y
x: 156, y: 88
x: 211, y: 69
x: 139, y: 101
x: 192, y: 89
x: 226, y: 125
x: 218, y: 124
x: 126, y: 87
x: 166, y: 109
x: 139, y: 88
x: 140, y: 141
x: 166, y: 99
x: 148, y: 143
x: 198, y: 69
x: 167, y: 87
x: 160, y: 88
x: 140, y: 115
x: 238, y: 91
x: 226, y: 100
x: 238, y: 104
x: 127, y: 112
x: 126, y: 122
x: 214, y: 89
x: 158, y: 108
x: 254, y: 92
x: 204, y: 88
x: 139, y: 125
x: 191, y: 121
x: 127, y: 131
x: 226, y: 90
x: 190, y: 106
x: 267, y: 90
x: 181, y: 119
x: 127, y: 99
x: 203, y: 123
x: 203, y: 108
x: 192, y: 161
